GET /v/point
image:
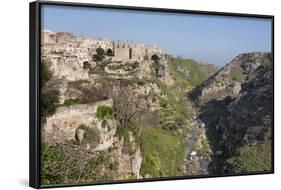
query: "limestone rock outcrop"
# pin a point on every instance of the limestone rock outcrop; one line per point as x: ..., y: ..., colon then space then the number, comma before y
x: 236, y: 106
x: 66, y: 121
x: 228, y: 80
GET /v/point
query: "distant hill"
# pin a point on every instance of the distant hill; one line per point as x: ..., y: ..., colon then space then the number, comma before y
x: 236, y: 104
x: 227, y: 81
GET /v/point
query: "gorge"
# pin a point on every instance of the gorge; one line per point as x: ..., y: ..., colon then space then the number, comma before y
x: 123, y: 110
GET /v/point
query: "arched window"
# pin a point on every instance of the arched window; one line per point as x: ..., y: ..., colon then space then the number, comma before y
x: 109, y: 52
x: 155, y: 57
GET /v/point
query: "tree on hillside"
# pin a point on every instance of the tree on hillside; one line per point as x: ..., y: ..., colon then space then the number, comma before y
x: 158, y: 67
x: 46, y: 74
x: 49, y: 93
x: 125, y: 105
x: 100, y: 54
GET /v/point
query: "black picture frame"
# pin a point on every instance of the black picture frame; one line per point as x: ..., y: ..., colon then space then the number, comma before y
x: 34, y: 98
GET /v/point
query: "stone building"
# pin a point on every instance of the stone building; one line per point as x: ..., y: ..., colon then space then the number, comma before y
x: 117, y: 50
x: 67, y: 54
x: 49, y: 37
x: 131, y: 51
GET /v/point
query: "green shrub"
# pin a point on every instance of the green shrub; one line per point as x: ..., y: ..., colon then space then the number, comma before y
x: 86, y: 65
x: 49, y: 96
x: 51, y: 158
x: 78, y: 83
x: 123, y: 130
x: 163, y: 102
x: 135, y: 65
x: 100, y: 55
x: 83, y: 127
x: 49, y: 101
x: 140, y: 82
x: 83, y: 81
x: 71, y: 101
x: 104, y: 112
x: 46, y: 74
x: 114, y: 67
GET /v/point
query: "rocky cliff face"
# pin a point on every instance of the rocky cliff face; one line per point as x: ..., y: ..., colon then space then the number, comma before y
x: 236, y: 105
x: 247, y: 124
x: 79, y: 125
x: 252, y: 109
x: 228, y: 80
x: 66, y: 122
x: 67, y: 61
x: 82, y: 95
x: 113, y: 119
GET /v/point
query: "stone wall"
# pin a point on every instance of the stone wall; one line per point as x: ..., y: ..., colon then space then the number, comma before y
x: 121, y: 51
x: 131, y: 51
x: 66, y: 120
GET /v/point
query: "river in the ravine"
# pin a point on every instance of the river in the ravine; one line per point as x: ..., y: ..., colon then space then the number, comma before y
x: 197, y: 164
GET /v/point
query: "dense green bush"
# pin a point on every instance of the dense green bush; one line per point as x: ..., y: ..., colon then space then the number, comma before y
x: 104, y: 112
x: 163, y: 102
x: 46, y: 74
x: 49, y: 101
x: 100, y: 55
x: 51, y: 158
x: 49, y: 96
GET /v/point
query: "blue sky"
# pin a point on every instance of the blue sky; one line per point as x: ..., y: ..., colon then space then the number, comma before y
x: 213, y: 39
